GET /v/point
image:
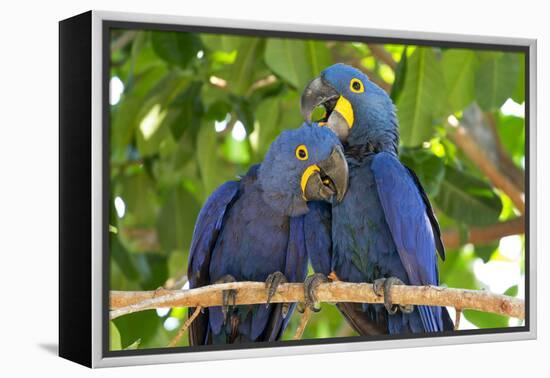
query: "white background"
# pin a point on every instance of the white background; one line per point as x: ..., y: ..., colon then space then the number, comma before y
x: 29, y: 189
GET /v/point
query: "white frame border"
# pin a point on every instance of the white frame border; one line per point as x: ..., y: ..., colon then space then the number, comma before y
x: 97, y: 238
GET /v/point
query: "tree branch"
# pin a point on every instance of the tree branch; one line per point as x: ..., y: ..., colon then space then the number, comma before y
x: 303, y: 323
x: 381, y: 54
x: 184, y: 327
x: 462, y: 138
x: 506, y: 164
x: 123, y: 40
x: 484, y: 235
x: 127, y: 302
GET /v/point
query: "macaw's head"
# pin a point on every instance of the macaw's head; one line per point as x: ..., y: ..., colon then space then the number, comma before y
x: 356, y: 109
x: 304, y: 164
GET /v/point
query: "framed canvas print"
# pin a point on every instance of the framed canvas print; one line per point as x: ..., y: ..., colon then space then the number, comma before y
x: 232, y: 189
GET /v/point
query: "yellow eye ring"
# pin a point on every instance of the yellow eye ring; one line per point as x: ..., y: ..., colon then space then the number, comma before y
x: 301, y: 152
x: 356, y: 86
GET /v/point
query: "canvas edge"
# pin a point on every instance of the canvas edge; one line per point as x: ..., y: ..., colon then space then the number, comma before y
x: 533, y: 188
x: 98, y: 360
x: 97, y: 190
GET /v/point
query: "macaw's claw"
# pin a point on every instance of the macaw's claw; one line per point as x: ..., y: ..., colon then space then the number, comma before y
x: 228, y: 296
x: 310, y: 286
x: 284, y: 309
x: 333, y: 277
x: 382, y: 286
x: 271, y: 284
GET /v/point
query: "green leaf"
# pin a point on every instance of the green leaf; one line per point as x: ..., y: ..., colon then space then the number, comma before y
x: 485, y: 319
x: 296, y: 61
x: 152, y: 127
x: 139, y: 43
x: 153, y: 269
x: 122, y: 257
x: 139, y: 196
x: 268, y: 114
x: 143, y: 325
x: 207, y: 156
x: 244, y: 112
x: 220, y: 42
x: 458, y: 69
x: 188, y: 110
x: 124, y: 124
x: 177, y: 264
x: 235, y: 151
x: 114, y: 337
x: 216, y: 102
x: 486, y: 251
x: 213, y: 170
x: 174, y: 164
x: 511, y: 130
x: 421, y: 98
x: 496, y: 80
x: 512, y: 291
x: 467, y: 199
x: 151, y: 131
x: 211, y: 94
x: 429, y: 168
x: 177, y: 48
x: 128, y: 113
x: 458, y: 270
x: 519, y: 94
x: 274, y: 115
x: 290, y: 113
x: 400, y: 74
x: 176, y: 220
x: 134, y: 345
x: 241, y: 75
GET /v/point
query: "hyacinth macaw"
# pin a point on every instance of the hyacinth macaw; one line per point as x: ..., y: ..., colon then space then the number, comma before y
x: 253, y: 230
x: 384, y: 231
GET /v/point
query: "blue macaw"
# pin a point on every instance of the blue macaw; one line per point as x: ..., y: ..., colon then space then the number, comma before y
x: 253, y: 230
x: 384, y: 231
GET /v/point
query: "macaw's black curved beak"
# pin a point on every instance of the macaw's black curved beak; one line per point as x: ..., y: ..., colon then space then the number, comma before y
x: 318, y: 92
x: 327, y: 179
x: 338, y: 110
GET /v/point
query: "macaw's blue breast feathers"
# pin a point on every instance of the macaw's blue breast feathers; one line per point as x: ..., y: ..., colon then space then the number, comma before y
x: 318, y: 231
x: 406, y: 214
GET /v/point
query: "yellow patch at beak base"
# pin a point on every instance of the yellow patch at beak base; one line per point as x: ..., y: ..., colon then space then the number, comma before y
x: 343, y: 106
x: 306, y: 175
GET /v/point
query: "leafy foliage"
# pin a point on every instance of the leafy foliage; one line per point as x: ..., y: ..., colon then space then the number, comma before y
x: 421, y: 97
x: 196, y: 110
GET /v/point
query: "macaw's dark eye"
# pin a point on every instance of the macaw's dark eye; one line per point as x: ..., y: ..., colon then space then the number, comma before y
x: 356, y: 86
x: 301, y: 152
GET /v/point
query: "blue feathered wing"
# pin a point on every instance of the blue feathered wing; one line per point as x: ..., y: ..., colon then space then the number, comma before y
x: 207, y: 228
x: 414, y: 230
